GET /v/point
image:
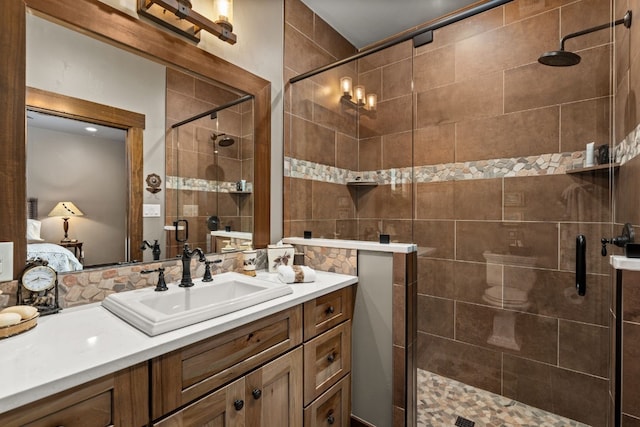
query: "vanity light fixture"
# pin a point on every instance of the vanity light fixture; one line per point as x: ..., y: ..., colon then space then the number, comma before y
x: 357, y: 97
x: 187, y: 22
x: 65, y: 210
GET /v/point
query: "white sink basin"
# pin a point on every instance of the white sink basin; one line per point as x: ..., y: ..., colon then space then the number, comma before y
x: 158, y: 312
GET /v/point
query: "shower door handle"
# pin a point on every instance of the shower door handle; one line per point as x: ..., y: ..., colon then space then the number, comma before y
x: 581, y: 264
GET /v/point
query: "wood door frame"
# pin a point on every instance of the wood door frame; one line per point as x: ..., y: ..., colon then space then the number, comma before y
x: 133, y: 123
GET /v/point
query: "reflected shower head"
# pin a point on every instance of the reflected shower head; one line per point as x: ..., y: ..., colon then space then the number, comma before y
x: 563, y: 58
x: 227, y: 141
x: 559, y: 58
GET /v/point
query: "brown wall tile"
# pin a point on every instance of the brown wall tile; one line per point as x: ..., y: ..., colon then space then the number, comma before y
x: 385, y: 202
x: 180, y: 82
x: 298, y: 15
x: 526, y: 133
x: 570, y: 394
x: 479, y: 199
x: 470, y: 364
x: 628, y: 421
x: 584, y: 14
x: 435, y: 277
x: 557, y: 198
x: 479, y: 54
x: 323, y: 229
x: 584, y: 122
x: 518, y: 10
x: 558, y: 85
x: 386, y: 56
x: 537, y: 240
x: 370, y: 154
x: 584, y: 348
x: 331, y: 201
x: 435, y: 200
x: 626, y: 194
x: 399, y: 231
x: 312, y: 142
x: 296, y: 42
x: 399, y: 323
x: 435, y: 238
x: 434, y: 145
x: 396, y: 79
x: 435, y: 316
x: 392, y: 116
x: 347, y: 152
x: 483, y: 97
x: 397, y: 150
x: 631, y: 296
x: 330, y: 40
x: 471, y: 280
x: 535, y: 337
x: 553, y: 293
x: 434, y: 68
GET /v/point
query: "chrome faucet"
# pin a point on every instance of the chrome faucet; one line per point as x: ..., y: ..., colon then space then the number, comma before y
x: 186, y: 281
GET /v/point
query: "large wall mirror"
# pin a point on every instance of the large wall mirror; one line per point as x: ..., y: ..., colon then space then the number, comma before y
x: 161, y: 63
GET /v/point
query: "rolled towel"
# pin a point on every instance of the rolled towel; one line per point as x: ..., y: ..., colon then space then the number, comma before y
x: 296, y: 274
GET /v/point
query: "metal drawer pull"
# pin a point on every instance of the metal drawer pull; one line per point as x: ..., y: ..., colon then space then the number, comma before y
x: 330, y: 419
x: 238, y: 404
x: 330, y: 310
x: 256, y: 393
x: 331, y: 357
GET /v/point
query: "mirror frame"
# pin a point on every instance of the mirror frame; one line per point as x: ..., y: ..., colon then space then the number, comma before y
x: 134, y: 35
x: 133, y: 123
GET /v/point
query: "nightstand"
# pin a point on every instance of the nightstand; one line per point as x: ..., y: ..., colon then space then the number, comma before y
x: 77, y: 249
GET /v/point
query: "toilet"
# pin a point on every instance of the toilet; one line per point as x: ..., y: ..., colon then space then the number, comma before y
x: 513, y: 296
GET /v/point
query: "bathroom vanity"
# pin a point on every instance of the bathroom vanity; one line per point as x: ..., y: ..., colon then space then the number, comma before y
x: 281, y: 362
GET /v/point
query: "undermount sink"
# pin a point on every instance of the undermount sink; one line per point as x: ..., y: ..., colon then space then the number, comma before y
x: 158, y: 312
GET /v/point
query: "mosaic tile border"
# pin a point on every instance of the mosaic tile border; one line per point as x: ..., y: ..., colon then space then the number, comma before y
x: 441, y: 400
x: 628, y: 148
x: 545, y: 164
x: 197, y: 184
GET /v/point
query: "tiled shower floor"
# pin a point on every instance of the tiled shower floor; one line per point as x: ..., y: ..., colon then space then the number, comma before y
x: 442, y: 400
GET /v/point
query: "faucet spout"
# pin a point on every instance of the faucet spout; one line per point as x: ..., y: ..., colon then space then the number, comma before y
x: 186, y: 281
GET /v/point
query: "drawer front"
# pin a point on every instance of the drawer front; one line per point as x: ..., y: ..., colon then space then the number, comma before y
x: 325, y: 312
x: 184, y: 375
x: 332, y: 408
x: 119, y: 399
x: 327, y: 358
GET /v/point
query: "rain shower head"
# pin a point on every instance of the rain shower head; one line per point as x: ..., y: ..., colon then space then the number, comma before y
x: 563, y: 58
x: 559, y: 58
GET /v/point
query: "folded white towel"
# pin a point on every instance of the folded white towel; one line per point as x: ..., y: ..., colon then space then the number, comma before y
x: 296, y: 274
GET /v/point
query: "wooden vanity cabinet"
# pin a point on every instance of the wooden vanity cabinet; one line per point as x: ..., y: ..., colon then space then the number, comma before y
x: 119, y: 399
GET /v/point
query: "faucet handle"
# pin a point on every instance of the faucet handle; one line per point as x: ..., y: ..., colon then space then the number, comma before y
x: 162, y: 284
x: 207, y: 269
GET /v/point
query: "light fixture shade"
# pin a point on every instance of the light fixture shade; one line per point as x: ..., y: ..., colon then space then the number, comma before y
x: 65, y: 209
x: 345, y: 86
x: 358, y: 95
x: 372, y: 101
x: 223, y: 13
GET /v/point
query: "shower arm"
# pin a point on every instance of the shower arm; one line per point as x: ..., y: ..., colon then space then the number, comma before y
x: 626, y: 20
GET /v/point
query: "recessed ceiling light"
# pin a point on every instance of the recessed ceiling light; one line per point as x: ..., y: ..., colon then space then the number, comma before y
x: 91, y: 129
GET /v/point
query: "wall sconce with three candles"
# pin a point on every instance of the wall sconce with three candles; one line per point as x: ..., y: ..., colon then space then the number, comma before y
x: 356, y: 96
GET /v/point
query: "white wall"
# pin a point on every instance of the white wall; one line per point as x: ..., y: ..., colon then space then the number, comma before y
x: 66, y: 62
x: 87, y: 171
x: 259, y: 25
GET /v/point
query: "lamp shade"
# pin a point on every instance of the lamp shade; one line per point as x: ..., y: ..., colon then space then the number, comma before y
x: 223, y: 13
x: 65, y: 209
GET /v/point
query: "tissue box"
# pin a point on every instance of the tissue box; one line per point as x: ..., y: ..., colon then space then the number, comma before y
x: 279, y: 255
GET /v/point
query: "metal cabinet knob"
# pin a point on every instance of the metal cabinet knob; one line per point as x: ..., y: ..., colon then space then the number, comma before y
x: 331, y: 419
x: 331, y: 357
x: 330, y: 310
x: 256, y: 393
x: 238, y: 404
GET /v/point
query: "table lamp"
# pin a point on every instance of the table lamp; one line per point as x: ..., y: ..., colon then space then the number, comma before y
x: 65, y: 210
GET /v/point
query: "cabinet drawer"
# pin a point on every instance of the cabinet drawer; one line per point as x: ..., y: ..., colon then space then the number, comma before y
x: 117, y: 399
x: 327, y: 358
x: 184, y: 375
x: 325, y: 312
x: 332, y: 408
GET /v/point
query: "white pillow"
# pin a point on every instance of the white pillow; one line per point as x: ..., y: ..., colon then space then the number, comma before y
x: 33, y: 231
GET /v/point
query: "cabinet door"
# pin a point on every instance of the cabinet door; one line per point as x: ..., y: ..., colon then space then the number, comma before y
x: 274, y: 393
x: 222, y: 408
x: 119, y: 399
x: 327, y: 358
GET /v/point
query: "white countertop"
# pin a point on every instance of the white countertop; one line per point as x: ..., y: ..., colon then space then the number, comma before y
x: 234, y: 234
x: 620, y: 262
x: 404, y: 248
x: 81, y: 344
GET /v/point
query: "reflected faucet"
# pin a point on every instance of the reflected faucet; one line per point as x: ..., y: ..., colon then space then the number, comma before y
x: 155, y: 248
x: 186, y: 281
